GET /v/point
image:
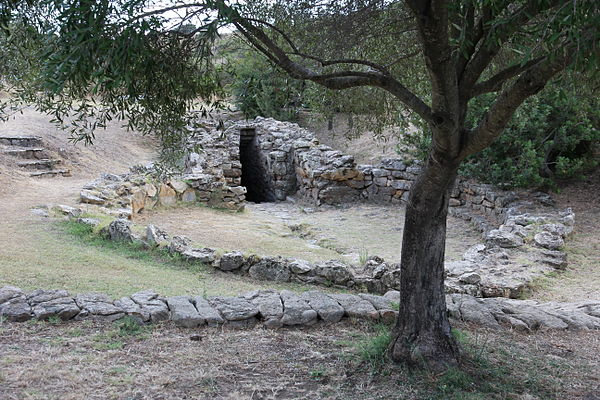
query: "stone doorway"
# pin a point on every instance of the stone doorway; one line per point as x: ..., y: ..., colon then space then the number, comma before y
x: 255, y: 175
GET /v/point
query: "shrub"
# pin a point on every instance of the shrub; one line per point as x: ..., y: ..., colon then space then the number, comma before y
x: 553, y: 135
x: 258, y: 87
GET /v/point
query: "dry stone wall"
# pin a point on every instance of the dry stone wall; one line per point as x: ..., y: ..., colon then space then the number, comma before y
x: 276, y: 309
x: 271, y: 160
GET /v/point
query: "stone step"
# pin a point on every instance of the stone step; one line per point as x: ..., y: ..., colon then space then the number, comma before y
x: 45, y: 163
x: 30, y: 153
x: 51, y: 173
x: 23, y: 141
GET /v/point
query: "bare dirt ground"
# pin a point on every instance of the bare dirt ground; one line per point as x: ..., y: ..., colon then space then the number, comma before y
x: 89, y: 360
x: 101, y: 361
x: 290, y: 230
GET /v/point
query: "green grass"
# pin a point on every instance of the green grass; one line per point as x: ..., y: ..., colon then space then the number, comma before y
x: 69, y: 255
x: 487, y: 370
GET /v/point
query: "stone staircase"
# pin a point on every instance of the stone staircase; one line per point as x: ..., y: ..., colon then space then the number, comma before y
x: 32, y: 155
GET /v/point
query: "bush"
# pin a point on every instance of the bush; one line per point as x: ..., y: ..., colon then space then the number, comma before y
x: 553, y: 135
x: 258, y: 87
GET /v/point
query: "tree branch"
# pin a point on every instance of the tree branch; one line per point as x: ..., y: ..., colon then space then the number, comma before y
x: 339, y: 80
x: 496, y: 82
x: 493, y: 43
x: 498, y: 116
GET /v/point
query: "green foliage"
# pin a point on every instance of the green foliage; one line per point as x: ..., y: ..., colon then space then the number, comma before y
x: 87, y: 63
x: 551, y: 136
x: 373, y: 350
x: 258, y: 87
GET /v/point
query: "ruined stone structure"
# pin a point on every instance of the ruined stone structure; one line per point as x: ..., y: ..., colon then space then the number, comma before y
x: 273, y: 160
x: 267, y: 160
x: 31, y: 155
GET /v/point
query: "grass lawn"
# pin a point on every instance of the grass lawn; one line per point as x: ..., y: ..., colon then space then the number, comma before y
x: 65, y: 255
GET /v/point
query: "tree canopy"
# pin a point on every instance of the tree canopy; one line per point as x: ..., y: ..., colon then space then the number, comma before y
x: 143, y: 62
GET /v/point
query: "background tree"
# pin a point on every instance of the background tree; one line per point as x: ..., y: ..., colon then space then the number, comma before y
x: 430, y: 57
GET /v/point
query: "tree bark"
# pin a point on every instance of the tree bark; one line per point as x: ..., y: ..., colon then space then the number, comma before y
x: 422, y: 333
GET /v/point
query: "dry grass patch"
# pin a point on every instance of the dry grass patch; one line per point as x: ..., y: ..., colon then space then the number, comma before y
x: 65, y: 256
x: 90, y: 360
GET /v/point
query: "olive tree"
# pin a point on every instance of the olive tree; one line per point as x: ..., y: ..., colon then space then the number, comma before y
x: 429, y: 57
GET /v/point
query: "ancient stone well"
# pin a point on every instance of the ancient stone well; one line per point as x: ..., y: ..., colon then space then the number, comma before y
x: 267, y: 160
x: 273, y: 160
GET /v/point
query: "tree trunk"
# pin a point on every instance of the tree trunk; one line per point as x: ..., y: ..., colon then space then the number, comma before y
x: 422, y: 333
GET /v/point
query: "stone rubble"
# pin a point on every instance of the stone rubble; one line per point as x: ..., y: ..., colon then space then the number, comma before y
x: 276, y: 309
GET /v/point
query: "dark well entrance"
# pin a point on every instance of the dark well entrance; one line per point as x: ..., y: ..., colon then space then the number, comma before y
x: 254, y: 170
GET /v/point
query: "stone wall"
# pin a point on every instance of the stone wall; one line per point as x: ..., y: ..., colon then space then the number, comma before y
x: 274, y: 160
x: 524, y: 248
x: 276, y: 309
x: 295, y: 163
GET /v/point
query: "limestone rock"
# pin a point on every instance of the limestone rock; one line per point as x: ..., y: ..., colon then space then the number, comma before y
x: 209, y: 314
x: 503, y: 238
x: 379, y: 302
x: 90, y: 197
x: 327, y: 308
x: 10, y: 292
x: 151, y: 304
x: 91, y: 222
x: 63, y: 307
x: 138, y: 201
x: 270, y: 269
x: 41, y: 296
x: 234, y: 308
x: 554, y: 258
x: 393, y: 296
x: 334, y: 272
x: 150, y: 190
x: 471, y: 278
x: 183, y: 312
x: 133, y: 309
x: 296, y: 311
x: 548, y: 240
x: 156, y: 236
x: 39, y: 212
x: 166, y: 195
x: 179, y: 186
x: 269, y: 306
x: 189, y: 196
x: 16, y: 309
x: 231, y: 261
x: 356, y: 307
x: 179, y: 244
x: 120, y: 230
x: 98, y: 305
x: 67, y: 210
x: 300, y: 267
x: 471, y: 309
x: 204, y: 256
